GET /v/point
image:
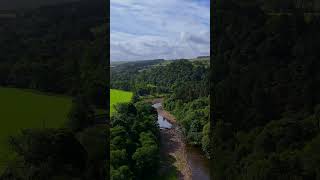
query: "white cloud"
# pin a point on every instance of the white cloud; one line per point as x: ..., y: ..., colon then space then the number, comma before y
x: 167, y: 29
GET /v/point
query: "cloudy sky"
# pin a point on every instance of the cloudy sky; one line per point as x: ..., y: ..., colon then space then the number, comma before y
x: 166, y: 29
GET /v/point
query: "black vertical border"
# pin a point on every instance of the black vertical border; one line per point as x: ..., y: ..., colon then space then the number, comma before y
x: 107, y: 17
x: 213, y: 48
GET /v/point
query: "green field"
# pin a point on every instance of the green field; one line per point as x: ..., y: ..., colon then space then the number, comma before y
x: 21, y: 109
x: 119, y: 96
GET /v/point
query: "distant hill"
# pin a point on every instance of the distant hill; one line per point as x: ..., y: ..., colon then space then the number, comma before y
x: 136, y: 64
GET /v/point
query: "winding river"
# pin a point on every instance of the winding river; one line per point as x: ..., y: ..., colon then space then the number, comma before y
x: 197, y: 162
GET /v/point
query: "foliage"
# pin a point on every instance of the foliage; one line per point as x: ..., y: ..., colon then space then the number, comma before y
x: 47, y: 154
x: 134, y: 141
x: 95, y: 142
x: 193, y: 116
x: 57, y: 49
x: 265, y: 84
x: 122, y: 75
x: 58, y: 154
x: 80, y: 115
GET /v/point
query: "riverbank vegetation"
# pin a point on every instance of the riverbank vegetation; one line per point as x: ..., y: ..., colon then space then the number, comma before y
x: 266, y: 100
x: 134, y: 142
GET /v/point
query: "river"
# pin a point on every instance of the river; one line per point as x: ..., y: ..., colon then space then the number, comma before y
x: 197, y: 163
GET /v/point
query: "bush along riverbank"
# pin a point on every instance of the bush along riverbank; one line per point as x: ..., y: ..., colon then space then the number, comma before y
x: 134, y: 141
x: 193, y: 117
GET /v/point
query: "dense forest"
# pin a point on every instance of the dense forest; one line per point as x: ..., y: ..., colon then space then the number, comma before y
x: 123, y: 74
x: 265, y: 92
x: 185, y: 86
x: 134, y: 142
x: 59, y: 49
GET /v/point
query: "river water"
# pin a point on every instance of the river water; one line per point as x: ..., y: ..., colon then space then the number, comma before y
x: 163, y: 122
x: 198, y: 163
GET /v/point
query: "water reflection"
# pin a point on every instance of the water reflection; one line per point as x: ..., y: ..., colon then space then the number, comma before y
x: 157, y: 105
x: 163, y: 123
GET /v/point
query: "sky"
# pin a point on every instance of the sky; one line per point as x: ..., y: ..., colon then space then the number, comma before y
x: 159, y: 29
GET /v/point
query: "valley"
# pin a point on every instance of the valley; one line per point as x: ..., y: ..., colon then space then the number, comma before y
x: 181, y: 147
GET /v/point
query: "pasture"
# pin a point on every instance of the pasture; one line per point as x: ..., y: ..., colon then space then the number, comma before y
x: 119, y: 96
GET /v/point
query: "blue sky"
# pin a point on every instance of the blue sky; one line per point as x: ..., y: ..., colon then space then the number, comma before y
x: 152, y: 29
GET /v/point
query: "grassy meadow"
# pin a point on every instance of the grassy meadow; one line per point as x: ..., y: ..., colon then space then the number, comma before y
x: 21, y: 109
x: 119, y: 96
